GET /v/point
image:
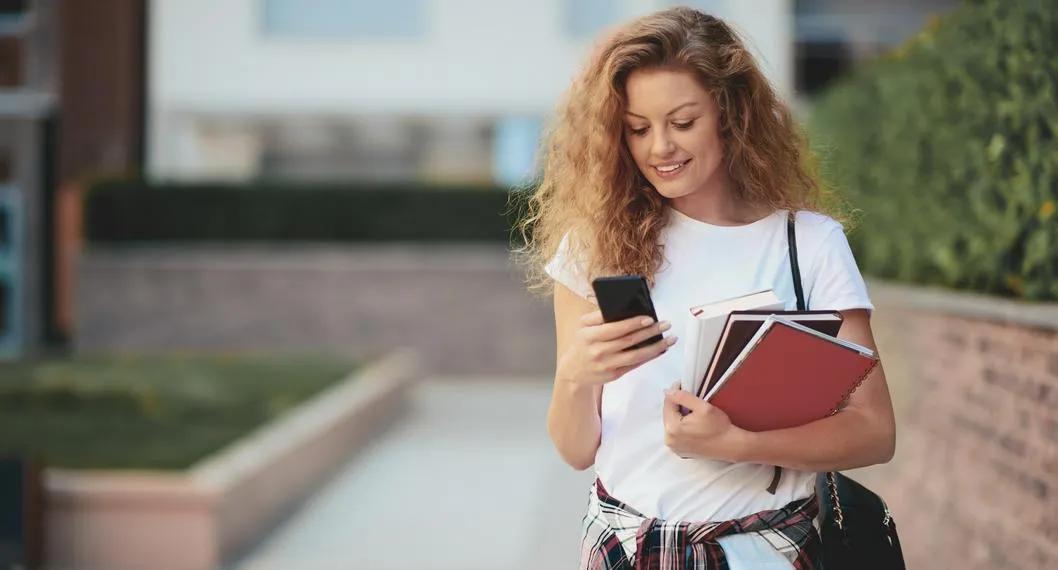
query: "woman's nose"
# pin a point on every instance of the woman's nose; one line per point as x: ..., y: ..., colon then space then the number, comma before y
x: 662, y: 145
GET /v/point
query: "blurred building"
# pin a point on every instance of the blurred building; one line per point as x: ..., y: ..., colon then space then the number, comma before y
x: 28, y: 81
x: 71, y: 104
x: 833, y: 35
x: 428, y: 89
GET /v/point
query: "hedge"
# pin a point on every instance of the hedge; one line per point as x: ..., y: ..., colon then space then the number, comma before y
x: 947, y: 148
x: 139, y: 212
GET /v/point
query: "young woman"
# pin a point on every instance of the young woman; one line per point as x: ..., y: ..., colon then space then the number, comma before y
x: 672, y: 157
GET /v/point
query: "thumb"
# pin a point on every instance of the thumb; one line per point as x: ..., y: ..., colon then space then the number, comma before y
x: 592, y: 319
x: 683, y: 398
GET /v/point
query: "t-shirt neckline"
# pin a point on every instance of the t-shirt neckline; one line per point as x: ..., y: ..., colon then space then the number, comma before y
x: 684, y: 220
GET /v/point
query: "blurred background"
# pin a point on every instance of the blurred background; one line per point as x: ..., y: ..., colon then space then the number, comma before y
x: 258, y: 307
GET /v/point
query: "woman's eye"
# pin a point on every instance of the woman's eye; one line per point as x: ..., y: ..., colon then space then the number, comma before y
x: 638, y: 132
x: 683, y: 126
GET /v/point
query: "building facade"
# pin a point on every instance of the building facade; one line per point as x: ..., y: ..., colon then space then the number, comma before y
x: 403, y: 89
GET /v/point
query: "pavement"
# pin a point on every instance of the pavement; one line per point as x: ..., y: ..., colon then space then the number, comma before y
x: 469, y: 480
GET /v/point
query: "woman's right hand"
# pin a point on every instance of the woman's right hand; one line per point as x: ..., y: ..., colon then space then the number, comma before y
x: 597, y: 353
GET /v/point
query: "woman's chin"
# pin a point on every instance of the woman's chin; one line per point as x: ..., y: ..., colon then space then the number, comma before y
x: 672, y: 190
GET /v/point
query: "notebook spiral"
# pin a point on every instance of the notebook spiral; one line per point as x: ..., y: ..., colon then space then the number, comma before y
x: 855, y: 385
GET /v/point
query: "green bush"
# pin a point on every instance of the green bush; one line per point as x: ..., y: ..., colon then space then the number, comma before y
x: 947, y: 148
x: 138, y: 212
x: 150, y: 412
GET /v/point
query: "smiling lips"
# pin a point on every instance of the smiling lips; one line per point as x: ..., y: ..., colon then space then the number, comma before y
x: 670, y: 169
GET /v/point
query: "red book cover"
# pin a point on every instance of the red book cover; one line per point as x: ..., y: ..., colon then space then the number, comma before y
x: 790, y: 377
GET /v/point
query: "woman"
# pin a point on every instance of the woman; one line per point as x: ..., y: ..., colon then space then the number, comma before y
x: 673, y: 158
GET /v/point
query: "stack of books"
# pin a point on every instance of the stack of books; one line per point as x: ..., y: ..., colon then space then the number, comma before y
x: 770, y: 368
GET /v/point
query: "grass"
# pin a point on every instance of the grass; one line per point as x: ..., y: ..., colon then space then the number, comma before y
x: 154, y: 413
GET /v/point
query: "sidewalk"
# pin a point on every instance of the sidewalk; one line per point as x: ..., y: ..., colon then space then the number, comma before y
x: 469, y: 480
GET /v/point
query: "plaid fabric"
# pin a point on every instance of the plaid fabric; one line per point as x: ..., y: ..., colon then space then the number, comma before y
x: 610, y: 527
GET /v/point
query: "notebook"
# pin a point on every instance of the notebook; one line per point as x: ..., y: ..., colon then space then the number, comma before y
x: 740, y: 327
x: 705, y: 326
x: 789, y: 375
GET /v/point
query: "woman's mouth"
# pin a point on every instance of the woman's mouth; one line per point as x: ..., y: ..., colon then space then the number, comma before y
x: 671, y: 169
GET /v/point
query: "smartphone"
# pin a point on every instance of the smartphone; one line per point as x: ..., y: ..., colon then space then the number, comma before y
x: 625, y: 296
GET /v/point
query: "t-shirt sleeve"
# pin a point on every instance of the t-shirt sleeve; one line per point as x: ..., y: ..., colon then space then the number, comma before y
x: 569, y: 270
x: 838, y: 284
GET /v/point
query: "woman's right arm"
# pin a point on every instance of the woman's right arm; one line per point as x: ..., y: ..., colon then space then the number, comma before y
x: 590, y: 353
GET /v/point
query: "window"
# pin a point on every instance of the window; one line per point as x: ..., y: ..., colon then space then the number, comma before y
x: 12, y: 12
x: 12, y: 62
x: 818, y: 63
x: 7, y: 165
x: 516, y: 141
x: 8, y: 304
x: 344, y: 19
x: 7, y: 308
x: 8, y: 211
x: 5, y: 229
x: 586, y: 18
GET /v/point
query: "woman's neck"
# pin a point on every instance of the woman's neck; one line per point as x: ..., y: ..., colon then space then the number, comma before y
x: 715, y: 204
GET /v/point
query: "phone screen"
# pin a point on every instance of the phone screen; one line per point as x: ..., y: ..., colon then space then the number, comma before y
x: 624, y: 297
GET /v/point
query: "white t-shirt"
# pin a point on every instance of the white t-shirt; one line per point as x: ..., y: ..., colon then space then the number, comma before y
x: 704, y: 263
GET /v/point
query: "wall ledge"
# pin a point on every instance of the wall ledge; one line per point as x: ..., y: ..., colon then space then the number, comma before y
x: 964, y: 304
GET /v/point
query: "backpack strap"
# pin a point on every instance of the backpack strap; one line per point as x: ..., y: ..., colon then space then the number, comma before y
x: 795, y: 268
x: 795, y: 271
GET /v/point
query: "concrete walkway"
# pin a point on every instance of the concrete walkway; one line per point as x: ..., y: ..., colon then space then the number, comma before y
x: 469, y: 481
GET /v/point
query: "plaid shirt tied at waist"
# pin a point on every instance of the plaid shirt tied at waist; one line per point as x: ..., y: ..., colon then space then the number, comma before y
x: 609, y: 525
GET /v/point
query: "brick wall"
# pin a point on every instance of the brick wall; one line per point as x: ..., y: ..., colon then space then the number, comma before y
x: 974, y: 484
x: 465, y: 308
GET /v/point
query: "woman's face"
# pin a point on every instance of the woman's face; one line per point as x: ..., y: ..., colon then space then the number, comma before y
x: 672, y: 129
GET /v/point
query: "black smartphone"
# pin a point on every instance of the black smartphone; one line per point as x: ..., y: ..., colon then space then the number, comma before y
x: 625, y: 296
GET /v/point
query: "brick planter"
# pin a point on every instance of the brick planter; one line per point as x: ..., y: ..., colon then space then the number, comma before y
x: 974, y: 483
x: 211, y: 513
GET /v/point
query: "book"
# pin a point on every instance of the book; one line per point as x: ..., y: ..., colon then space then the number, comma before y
x: 741, y: 326
x: 706, y: 324
x: 790, y: 375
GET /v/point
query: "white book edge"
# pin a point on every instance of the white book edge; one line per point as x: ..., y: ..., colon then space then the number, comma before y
x: 691, y: 334
x: 706, y: 333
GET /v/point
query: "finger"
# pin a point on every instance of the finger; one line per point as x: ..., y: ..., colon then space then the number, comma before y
x: 622, y: 358
x: 637, y: 336
x: 592, y: 319
x: 671, y: 414
x: 629, y: 362
x: 683, y: 398
x: 618, y: 329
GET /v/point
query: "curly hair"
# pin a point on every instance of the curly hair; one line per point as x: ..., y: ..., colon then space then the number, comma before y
x: 592, y: 193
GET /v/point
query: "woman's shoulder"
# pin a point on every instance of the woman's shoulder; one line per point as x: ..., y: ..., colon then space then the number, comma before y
x: 816, y: 224
x: 819, y: 235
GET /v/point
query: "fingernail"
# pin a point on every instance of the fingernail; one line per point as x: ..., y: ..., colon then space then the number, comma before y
x: 647, y: 321
x: 665, y: 326
x: 671, y: 340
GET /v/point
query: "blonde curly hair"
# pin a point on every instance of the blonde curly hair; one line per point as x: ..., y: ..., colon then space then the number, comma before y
x: 592, y: 192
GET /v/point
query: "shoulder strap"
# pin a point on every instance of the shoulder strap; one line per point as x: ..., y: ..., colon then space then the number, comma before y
x: 795, y: 269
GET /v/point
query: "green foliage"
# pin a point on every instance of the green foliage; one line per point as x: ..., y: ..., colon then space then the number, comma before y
x: 948, y: 148
x: 145, y: 412
x: 140, y: 212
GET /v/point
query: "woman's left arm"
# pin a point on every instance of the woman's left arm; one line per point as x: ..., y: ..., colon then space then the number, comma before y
x: 863, y: 433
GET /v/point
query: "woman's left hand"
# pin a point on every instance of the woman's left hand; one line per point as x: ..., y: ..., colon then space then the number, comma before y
x: 704, y: 432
